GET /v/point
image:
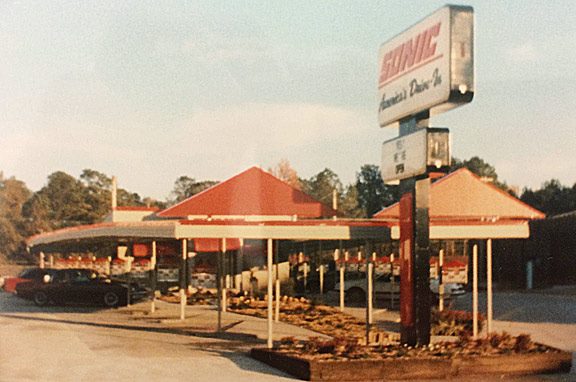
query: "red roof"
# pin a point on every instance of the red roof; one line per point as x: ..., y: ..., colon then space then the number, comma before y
x: 462, y: 195
x: 136, y: 208
x: 252, y: 192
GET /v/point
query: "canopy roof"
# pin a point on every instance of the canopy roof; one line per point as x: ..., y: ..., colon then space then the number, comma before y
x: 463, y: 206
x: 253, y: 192
x: 223, y: 229
x: 462, y: 195
x: 250, y: 205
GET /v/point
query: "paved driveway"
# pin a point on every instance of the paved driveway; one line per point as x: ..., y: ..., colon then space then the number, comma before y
x: 58, y: 344
x: 70, y: 344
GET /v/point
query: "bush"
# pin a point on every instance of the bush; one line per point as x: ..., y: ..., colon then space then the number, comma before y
x: 454, y: 323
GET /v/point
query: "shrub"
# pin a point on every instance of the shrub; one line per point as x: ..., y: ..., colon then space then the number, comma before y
x: 454, y: 323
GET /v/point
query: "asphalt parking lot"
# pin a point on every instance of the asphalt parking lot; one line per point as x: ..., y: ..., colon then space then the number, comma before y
x: 129, y: 343
x: 75, y: 343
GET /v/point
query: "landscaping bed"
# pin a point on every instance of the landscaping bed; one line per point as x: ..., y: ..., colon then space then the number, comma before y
x: 347, y: 357
x: 319, y: 318
x: 345, y: 360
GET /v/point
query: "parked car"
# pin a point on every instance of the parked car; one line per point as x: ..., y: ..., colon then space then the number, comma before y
x: 80, y: 286
x: 355, y: 289
x: 27, y: 275
x: 450, y: 289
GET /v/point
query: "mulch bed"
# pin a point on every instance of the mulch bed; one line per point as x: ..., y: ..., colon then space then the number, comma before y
x: 402, y: 368
x: 319, y: 318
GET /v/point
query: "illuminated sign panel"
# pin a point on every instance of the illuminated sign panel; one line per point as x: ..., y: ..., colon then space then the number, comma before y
x: 413, y: 154
x: 430, y: 66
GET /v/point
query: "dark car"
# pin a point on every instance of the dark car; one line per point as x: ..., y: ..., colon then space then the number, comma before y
x: 27, y: 275
x: 80, y: 286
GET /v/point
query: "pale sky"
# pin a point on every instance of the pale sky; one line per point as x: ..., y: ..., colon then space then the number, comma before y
x: 152, y: 90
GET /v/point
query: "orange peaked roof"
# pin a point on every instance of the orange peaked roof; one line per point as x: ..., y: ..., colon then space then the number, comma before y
x: 462, y: 195
x: 252, y: 192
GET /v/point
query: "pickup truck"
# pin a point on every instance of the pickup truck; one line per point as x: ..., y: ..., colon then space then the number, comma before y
x: 384, y: 285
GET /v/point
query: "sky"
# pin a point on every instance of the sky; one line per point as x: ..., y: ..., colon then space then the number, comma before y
x: 152, y: 90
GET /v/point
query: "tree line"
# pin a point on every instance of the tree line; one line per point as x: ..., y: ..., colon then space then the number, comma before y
x: 67, y: 201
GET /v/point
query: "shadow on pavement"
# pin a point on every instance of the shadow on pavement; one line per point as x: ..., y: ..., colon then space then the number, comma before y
x: 186, y: 330
x: 243, y: 360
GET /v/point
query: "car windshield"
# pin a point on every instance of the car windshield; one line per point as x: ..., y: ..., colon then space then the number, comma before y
x: 30, y: 273
x: 83, y: 275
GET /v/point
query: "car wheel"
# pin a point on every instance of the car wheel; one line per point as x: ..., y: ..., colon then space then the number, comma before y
x: 111, y: 299
x: 355, y: 295
x: 41, y: 298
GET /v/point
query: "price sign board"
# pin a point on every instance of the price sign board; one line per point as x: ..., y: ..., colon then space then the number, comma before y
x: 414, y: 154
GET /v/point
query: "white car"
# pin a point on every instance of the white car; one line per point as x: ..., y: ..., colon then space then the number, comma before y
x: 384, y: 286
x: 450, y: 289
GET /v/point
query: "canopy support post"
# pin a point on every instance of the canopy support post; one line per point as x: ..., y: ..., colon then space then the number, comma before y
x: 183, y: 298
x: 153, y: 278
x: 489, y: 302
x: 475, y: 291
x: 269, y: 295
x: 226, y: 268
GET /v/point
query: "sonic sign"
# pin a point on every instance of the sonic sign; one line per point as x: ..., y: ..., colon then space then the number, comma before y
x: 430, y: 66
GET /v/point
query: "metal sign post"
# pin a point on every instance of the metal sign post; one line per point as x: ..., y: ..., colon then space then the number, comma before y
x: 421, y: 258
x: 428, y: 68
x: 415, y: 250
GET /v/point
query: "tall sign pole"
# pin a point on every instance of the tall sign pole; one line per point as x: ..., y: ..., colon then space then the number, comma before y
x: 425, y: 70
x: 414, y: 249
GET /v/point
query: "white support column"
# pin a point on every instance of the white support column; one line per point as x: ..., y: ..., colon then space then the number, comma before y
x: 242, y: 266
x: 321, y: 270
x: 369, y: 296
x: 489, y: 312
x: 440, y: 280
x: 305, y: 265
x: 475, y: 291
x: 219, y: 288
x: 154, y: 275
x: 277, y: 283
x: 42, y: 260
x: 183, y: 298
x: 370, y: 293
x: 269, y: 263
x: 392, y: 280
x: 340, y: 260
x: 226, y: 278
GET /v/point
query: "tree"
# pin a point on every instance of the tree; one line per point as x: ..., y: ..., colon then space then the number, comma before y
x: 97, y: 193
x: 322, y: 186
x: 553, y: 198
x: 285, y: 172
x: 10, y: 239
x: 185, y: 187
x: 13, y: 196
x: 36, y: 212
x: 126, y: 198
x: 348, y: 205
x: 481, y: 168
x: 373, y: 194
x: 63, y: 200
